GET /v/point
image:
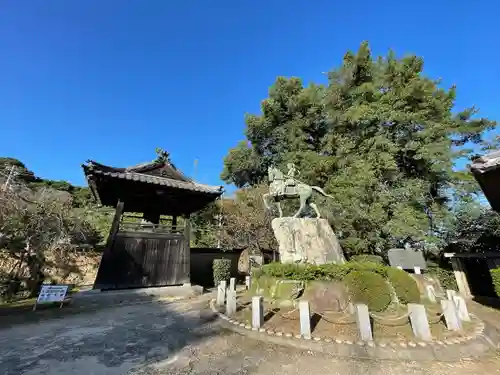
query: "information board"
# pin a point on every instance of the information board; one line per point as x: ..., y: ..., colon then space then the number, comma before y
x: 406, y: 258
x: 51, y: 294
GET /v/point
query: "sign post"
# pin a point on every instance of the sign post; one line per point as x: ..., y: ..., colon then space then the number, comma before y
x: 51, y: 294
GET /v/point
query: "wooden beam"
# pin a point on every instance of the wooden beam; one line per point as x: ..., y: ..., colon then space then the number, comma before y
x: 115, y: 225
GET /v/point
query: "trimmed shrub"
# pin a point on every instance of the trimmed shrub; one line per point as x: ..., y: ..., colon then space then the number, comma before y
x: 495, y: 277
x: 369, y: 288
x: 305, y: 272
x: 326, y: 272
x: 405, y: 286
x: 367, y: 266
x: 222, y: 270
x: 361, y: 258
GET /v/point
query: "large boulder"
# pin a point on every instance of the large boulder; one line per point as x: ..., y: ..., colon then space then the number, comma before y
x: 303, y: 240
x: 327, y: 296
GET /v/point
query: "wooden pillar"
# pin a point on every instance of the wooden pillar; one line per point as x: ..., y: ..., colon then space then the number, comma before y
x: 187, y: 250
x: 462, y: 283
x: 102, y: 277
x: 174, y: 223
x: 115, y: 225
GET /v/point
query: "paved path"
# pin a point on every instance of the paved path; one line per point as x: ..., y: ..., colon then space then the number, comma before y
x: 178, y: 338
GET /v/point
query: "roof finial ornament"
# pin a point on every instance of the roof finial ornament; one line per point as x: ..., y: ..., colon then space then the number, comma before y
x: 163, y: 156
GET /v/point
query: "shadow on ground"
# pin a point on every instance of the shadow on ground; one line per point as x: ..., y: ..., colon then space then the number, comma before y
x: 108, y: 340
x: 488, y: 301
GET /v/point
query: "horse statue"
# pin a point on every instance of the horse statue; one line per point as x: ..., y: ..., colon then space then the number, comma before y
x: 283, y: 187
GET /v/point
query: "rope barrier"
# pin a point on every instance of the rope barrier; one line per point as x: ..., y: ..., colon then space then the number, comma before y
x: 391, y: 322
x: 341, y: 321
x: 346, y: 319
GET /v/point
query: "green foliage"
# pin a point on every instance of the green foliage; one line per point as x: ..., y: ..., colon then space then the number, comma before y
x: 205, y: 226
x: 405, y: 286
x: 304, y: 272
x: 473, y: 228
x: 367, y: 258
x: 222, y: 270
x: 495, y: 276
x: 21, y: 173
x: 381, y: 138
x: 367, y: 266
x: 445, y: 276
x: 246, y: 222
x: 308, y: 272
x: 369, y: 288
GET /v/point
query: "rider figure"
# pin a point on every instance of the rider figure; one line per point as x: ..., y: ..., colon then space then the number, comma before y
x: 292, y: 170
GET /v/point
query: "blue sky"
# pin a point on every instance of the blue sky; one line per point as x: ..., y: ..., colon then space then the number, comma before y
x: 111, y: 80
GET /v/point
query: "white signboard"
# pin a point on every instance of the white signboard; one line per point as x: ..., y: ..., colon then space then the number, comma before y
x: 52, y: 293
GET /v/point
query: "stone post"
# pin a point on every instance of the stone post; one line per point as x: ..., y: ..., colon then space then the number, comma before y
x: 462, y: 283
x: 430, y: 293
x: 230, y: 303
x: 232, y: 284
x: 305, y: 319
x: 450, y: 315
x: 419, y: 322
x: 257, y: 312
x: 461, y: 307
x: 221, y: 293
x: 248, y: 282
x: 417, y: 270
x: 450, y: 294
x: 351, y: 308
x: 363, y: 322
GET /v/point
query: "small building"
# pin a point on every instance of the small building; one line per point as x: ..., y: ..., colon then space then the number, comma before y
x: 472, y: 270
x: 148, y: 243
x: 486, y: 171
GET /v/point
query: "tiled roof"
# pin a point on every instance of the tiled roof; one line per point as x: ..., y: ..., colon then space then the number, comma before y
x: 486, y: 162
x: 156, y: 180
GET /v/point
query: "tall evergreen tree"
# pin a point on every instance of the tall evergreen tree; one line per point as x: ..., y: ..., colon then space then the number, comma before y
x: 381, y: 137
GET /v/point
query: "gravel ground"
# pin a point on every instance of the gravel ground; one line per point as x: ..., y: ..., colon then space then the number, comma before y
x: 177, y: 338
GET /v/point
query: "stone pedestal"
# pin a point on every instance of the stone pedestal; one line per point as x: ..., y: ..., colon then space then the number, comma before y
x: 307, y: 241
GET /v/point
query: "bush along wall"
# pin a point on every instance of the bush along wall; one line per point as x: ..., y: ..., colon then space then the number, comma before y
x: 495, y: 276
x: 222, y: 270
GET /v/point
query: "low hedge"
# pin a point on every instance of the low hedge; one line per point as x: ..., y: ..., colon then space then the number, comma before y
x: 405, y: 286
x: 326, y: 272
x: 495, y: 277
x: 369, y: 288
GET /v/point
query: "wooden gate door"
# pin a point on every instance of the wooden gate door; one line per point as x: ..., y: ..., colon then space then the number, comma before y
x: 142, y: 259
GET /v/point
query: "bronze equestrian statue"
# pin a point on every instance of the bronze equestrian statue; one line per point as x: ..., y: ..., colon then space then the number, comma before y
x: 288, y: 187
